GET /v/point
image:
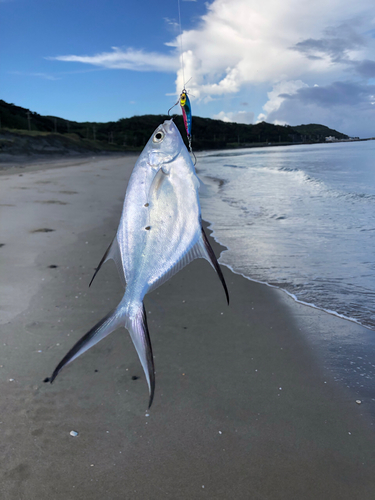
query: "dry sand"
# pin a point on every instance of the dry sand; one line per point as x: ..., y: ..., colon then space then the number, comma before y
x: 243, y: 408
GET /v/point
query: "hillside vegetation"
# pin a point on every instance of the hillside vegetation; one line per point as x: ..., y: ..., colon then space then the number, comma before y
x: 131, y: 134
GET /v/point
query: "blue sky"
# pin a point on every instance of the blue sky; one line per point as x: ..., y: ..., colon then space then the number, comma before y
x: 284, y: 62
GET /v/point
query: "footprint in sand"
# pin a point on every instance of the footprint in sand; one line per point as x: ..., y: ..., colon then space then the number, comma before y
x: 56, y: 202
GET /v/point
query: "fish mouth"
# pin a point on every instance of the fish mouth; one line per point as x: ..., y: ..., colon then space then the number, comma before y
x: 168, y: 125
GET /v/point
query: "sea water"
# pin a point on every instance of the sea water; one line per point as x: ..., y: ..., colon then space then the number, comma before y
x: 301, y: 218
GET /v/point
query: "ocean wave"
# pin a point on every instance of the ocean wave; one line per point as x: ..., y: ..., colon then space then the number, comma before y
x: 302, y: 223
x: 365, y: 197
x: 219, y: 181
x: 282, y: 288
x: 234, y: 166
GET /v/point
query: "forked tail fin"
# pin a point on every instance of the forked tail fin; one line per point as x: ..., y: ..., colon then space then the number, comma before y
x: 137, y: 327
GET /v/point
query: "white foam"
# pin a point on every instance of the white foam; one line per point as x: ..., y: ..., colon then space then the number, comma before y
x: 291, y: 295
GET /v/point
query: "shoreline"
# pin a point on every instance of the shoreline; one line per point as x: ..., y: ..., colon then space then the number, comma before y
x: 347, y: 368
x: 243, y: 406
x: 9, y: 160
x: 276, y: 144
x: 211, y: 227
x: 32, y: 163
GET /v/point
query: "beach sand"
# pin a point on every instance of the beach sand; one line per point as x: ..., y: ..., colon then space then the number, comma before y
x: 243, y: 408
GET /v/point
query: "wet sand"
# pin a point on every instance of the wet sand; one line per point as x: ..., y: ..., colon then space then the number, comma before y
x: 243, y: 408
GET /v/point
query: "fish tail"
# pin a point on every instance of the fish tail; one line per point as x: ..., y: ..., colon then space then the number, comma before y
x: 137, y: 327
x: 107, y: 325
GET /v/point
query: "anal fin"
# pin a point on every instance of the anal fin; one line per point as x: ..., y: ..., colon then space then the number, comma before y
x: 213, y: 261
x: 201, y: 249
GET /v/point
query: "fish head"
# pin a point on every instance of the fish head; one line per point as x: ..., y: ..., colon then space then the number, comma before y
x: 164, y: 145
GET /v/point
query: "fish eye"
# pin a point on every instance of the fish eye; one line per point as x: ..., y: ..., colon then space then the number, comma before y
x: 158, y: 137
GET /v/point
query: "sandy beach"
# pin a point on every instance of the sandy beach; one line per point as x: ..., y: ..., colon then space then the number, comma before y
x: 244, y: 407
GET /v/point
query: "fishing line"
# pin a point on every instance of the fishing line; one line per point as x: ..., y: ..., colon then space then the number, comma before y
x: 184, y: 100
x: 181, y: 55
x: 181, y: 51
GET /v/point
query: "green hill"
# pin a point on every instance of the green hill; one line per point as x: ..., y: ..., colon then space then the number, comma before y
x: 131, y: 134
x: 315, y: 130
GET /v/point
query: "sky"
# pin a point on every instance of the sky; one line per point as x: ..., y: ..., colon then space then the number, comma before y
x: 284, y: 62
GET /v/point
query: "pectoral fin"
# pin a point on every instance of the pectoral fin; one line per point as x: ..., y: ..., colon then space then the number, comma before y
x: 157, y: 183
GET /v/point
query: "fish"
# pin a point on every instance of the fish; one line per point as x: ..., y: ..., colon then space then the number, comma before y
x: 159, y: 233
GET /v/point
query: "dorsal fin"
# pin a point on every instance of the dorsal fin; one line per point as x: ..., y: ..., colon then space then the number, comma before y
x: 112, y: 252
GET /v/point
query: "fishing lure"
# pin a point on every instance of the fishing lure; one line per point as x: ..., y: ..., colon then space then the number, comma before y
x: 186, y: 112
x: 184, y: 102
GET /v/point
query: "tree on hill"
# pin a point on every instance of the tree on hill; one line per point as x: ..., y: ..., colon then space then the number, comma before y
x: 134, y: 132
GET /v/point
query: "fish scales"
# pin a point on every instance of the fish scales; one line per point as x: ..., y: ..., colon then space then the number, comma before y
x: 160, y: 232
x: 172, y: 215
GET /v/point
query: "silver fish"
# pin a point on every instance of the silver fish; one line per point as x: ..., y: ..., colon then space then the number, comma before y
x: 160, y: 232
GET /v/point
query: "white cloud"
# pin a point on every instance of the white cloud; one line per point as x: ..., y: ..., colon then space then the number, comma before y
x: 282, y: 46
x: 245, y: 41
x: 172, y: 22
x: 277, y: 96
x: 132, y: 59
x: 239, y: 42
x: 246, y: 117
x: 345, y: 106
x: 45, y: 76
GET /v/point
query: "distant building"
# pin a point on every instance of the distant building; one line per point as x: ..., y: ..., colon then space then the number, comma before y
x: 331, y: 138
